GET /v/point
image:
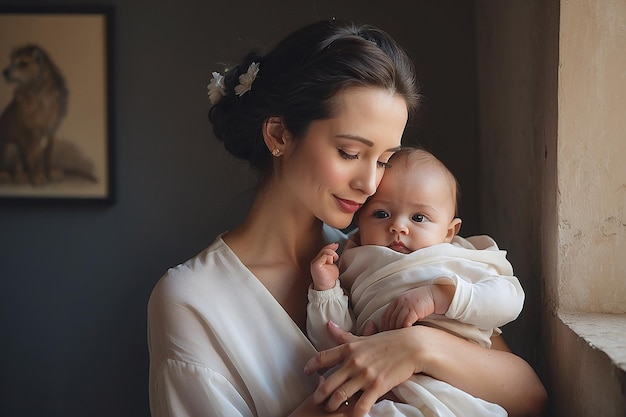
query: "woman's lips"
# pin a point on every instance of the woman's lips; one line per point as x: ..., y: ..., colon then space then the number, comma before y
x: 348, y: 206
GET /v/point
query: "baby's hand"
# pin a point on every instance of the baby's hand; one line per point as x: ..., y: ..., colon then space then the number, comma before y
x: 417, y: 304
x: 323, y: 269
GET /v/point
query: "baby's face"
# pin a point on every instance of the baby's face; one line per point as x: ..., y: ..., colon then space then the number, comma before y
x: 412, y: 209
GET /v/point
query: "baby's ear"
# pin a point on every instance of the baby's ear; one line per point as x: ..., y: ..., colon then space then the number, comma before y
x: 453, y: 229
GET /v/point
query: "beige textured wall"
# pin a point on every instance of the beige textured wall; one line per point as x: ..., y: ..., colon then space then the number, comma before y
x: 591, y: 156
x: 591, y: 216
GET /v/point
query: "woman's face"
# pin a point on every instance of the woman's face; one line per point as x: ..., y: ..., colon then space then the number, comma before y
x: 340, y: 161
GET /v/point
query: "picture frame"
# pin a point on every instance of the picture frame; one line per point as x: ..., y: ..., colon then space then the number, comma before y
x: 56, y: 104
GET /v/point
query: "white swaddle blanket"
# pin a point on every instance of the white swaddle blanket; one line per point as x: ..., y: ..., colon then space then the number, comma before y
x: 487, y: 295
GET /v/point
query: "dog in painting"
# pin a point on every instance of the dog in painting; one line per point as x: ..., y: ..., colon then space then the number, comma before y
x: 31, y: 119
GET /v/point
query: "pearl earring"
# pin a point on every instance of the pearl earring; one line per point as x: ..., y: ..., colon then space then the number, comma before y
x: 276, y: 152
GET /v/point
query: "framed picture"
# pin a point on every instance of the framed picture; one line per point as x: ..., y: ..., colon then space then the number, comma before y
x: 56, y: 120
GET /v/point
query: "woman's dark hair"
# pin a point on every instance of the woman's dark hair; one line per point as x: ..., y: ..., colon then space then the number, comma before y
x: 299, y: 79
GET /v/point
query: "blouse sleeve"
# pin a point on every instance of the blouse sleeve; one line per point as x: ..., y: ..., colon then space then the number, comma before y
x: 186, y: 390
x: 187, y: 372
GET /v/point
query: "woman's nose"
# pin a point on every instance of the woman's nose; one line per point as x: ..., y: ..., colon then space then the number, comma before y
x: 367, y: 179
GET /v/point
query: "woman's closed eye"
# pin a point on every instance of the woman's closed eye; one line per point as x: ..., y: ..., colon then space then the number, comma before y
x: 384, y: 164
x: 347, y: 155
x: 352, y: 156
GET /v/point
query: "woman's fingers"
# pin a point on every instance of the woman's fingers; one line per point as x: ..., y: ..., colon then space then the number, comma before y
x: 339, y: 334
x: 370, y: 366
x: 334, y: 389
x: 310, y: 409
x: 323, y: 359
x: 365, y: 403
x: 360, y: 389
x: 330, y: 357
x: 339, y: 388
x: 339, y: 397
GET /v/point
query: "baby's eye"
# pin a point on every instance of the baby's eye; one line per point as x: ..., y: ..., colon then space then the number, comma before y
x: 346, y: 155
x: 383, y: 164
x: 419, y: 218
x: 381, y: 214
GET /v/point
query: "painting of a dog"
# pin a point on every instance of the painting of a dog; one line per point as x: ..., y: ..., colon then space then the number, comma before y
x: 56, y: 118
x: 31, y: 119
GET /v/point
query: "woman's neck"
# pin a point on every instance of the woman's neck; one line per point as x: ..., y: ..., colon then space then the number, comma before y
x: 276, y: 232
x: 277, y: 242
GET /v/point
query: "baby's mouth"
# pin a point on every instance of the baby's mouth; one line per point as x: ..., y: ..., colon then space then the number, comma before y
x: 398, y: 247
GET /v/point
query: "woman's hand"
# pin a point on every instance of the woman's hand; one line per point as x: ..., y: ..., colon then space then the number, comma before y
x: 372, y: 365
x: 310, y: 408
x: 375, y: 364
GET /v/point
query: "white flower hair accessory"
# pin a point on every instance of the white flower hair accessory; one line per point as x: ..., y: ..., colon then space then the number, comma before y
x: 246, y: 80
x: 216, y: 88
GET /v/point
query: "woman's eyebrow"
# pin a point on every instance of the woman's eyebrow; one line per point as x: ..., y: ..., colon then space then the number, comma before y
x: 366, y: 141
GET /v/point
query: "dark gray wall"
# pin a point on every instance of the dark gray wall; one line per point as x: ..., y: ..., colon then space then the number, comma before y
x: 76, y: 278
x: 518, y: 78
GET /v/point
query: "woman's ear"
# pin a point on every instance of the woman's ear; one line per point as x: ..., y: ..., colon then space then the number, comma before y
x: 275, y: 135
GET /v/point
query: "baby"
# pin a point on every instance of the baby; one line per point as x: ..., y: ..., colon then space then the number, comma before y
x: 407, y: 265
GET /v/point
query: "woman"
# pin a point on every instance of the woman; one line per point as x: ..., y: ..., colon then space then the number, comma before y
x: 319, y: 117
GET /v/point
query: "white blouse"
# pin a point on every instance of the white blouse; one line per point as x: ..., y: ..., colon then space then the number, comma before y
x: 221, y: 345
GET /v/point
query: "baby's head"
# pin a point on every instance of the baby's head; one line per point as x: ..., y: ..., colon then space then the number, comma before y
x: 414, y: 206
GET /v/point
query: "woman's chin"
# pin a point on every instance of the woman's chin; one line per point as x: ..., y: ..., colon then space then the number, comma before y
x: 339, y: 222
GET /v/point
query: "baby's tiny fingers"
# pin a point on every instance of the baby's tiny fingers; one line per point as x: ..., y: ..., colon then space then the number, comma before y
x: 370, y: 328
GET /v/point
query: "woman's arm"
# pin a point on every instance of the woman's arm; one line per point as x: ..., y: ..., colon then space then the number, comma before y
x: 376, y: 364
x: 535, y: 393
x: 495, y: 375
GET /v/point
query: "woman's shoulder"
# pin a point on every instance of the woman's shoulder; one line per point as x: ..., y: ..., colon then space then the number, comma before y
x: 198, y: 273
x: 202, y: 261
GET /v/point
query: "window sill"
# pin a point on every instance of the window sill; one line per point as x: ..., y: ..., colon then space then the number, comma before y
x: 605, y: 332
